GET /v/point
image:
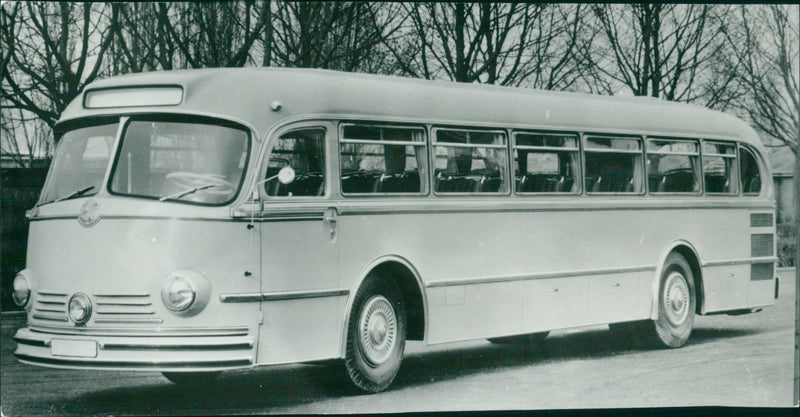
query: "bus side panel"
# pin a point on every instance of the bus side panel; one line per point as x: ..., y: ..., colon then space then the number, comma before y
x: 571, y: 267
x: 492, y: 253
x: 300, y: 330
x: 475, y: 311
x: 299, y: 258
x: 555, y: 303
x: 761, y: 293
x: 726, y: 287
x: 444, y: 246
x: 614, y: 298
x: 723, y: 241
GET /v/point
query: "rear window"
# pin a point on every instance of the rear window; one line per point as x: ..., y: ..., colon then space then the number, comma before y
x: 719, y: 167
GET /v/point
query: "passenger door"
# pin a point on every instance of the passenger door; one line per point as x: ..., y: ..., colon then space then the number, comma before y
x: 301, y: 299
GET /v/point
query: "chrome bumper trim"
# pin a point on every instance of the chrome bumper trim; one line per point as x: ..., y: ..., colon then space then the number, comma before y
x: 138, y: 346
x: 125, y: 364
x: 159, y: 332
x: 176, y: 350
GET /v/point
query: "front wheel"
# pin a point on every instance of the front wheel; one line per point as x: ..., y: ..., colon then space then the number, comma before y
x: 676, y: 304
x: 376, y: 335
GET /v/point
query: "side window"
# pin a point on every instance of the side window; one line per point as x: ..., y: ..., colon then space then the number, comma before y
x: 545, y: 163
x: 673, y: 166
x: 304, y: 151
x: 470, y: 161
x: 376, y: 159
x: 748, y: 167
x: 719, y: 167
x: 613, y: 165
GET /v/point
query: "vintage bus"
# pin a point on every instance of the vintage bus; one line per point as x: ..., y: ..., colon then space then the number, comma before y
x: 206, y: 220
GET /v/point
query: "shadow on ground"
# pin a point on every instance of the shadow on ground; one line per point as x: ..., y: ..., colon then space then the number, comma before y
x: 281, y: 386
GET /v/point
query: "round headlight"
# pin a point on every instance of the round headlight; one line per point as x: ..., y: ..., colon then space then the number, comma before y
x: 80, y: 308
x: 22, y: 290
x: 178, y: 294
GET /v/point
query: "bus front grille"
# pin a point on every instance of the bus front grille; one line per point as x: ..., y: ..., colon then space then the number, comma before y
x: 124, y: 308
x: 50, y: 306
x: 107, y: 308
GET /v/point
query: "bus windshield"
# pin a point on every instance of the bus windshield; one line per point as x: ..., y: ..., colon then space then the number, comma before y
x: 186, y: 161
x: 80, y: 162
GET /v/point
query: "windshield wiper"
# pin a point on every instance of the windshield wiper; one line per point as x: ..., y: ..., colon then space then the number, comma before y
x: 185, y: 192
x: 78, y: 193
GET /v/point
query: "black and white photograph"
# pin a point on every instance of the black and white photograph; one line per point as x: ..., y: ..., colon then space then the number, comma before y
x: 357, y: 207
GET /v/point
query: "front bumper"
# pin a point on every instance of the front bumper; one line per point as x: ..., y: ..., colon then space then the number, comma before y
x: 162, y: 349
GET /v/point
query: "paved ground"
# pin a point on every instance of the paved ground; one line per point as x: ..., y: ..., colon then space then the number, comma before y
x: 732, y: 361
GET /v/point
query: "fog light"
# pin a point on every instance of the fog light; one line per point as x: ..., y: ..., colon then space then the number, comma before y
x: 177, y: 293
x: 80, y: 308
x: 22, y: 290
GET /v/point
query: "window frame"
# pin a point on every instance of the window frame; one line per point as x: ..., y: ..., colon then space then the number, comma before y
x: 505, y: 146
x: 262, y: 172
x: 698, y: 165
x: 735, y: 158
x: 742, y: 147
x: 179, y: 118
x: 425, y: 183
x: 641, y: 152
x: 61, y: 129
x: 578, y: 176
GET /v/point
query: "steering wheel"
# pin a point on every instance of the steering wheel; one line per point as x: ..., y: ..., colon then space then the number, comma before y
x: 189, y: 180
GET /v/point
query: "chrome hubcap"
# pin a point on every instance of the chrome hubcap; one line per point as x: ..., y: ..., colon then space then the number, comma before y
x: 676, y: 298
x: 377, y: 330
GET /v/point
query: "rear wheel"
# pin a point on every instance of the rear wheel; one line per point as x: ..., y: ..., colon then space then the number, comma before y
x: 192, y: 378
x: 376, y: 335
x: 676, y: 305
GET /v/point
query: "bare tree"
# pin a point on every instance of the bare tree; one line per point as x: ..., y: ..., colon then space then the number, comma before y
x: 660, y: 50
x: 507, y: 44
x: 25, y: 138
x: 51, y: 51
x: 768, y: 54
x: 209, y: 34
x: 334, y: 35
x: 142, y: 42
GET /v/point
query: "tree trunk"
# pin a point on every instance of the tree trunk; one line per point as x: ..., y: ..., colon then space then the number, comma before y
x: 461, y: 66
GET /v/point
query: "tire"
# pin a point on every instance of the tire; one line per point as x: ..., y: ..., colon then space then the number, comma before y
x: 376, y: 335
x: 676, y: 305
x: 524, y: 339
x: 192, y: 378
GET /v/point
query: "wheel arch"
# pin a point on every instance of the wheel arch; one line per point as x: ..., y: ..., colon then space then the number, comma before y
x: 408, y: 281
x: 690, y: 253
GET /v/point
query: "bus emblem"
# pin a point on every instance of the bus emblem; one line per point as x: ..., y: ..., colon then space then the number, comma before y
x: 89, y: 215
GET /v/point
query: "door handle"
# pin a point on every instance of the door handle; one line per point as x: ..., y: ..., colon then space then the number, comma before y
x: 331, y: 218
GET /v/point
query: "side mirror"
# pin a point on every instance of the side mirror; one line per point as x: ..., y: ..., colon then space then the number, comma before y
x: 286, y: 175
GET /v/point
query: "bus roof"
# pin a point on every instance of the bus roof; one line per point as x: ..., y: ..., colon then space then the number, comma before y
x: 246, y: 94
